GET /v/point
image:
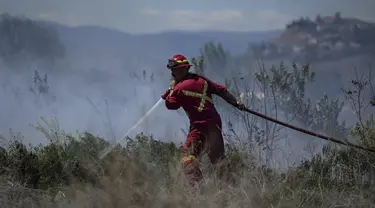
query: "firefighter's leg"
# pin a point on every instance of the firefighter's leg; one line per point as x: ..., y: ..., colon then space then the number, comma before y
x: 215, y: 144
x: 216, y: 152
x: 190, y: 151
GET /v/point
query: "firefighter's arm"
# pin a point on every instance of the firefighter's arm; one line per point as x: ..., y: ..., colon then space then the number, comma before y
x: 223, y: 92
x: 231, y: 99
x: 216, y: 88
x: 172, y: 98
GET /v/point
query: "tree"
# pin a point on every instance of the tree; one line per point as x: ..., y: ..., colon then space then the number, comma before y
x: 338, y: 16
x: 318, y: 18
x: 289, y: 88
x: 217, y: 60
x: 214, y: 62
x: 24, y: 39
x: 348, y: 166
x: 198, y: 65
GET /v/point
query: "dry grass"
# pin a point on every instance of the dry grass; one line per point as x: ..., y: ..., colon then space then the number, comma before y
x: 132, y: 181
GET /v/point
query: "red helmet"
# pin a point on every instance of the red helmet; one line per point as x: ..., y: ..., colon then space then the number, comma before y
x: 178, y: 61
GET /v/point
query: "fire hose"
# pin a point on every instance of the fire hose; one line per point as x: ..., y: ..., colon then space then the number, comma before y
x: 305, y: 131
x: 107, y: 150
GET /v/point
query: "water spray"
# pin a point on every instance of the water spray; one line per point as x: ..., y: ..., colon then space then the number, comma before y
x: 144, y: 117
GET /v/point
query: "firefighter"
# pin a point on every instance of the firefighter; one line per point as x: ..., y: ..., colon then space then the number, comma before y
x: 194, y: 93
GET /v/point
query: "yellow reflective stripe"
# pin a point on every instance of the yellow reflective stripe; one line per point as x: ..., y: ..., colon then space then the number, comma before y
x: 182, y: 61
x: 203, y: 100
x: 203, y: 96
x: 195, y: 94
x: 188, y: 158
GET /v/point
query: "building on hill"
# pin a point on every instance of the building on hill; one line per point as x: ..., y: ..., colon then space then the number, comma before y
x: 326, y: 37
x: 316, y: 25
x: 328, y: 20
x: 303, y: 23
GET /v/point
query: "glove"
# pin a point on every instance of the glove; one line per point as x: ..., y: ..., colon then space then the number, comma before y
x: 240, y: 106
x: 165, y: 95
x: 173, y: 83
x: 169, y: 90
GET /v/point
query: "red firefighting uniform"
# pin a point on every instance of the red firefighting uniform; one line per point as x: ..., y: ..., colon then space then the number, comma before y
x: 194, y: 95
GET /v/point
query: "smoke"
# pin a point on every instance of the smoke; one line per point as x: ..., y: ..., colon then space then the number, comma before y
x: 105, y: 103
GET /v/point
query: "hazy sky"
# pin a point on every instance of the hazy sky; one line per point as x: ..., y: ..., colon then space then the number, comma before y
x: 148, y: 16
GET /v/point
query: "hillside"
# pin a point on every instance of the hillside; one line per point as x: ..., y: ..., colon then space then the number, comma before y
x: 92, y: 44
x: 329, y: 37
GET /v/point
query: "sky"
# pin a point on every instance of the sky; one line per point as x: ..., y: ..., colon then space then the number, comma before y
x: 153, y: 16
